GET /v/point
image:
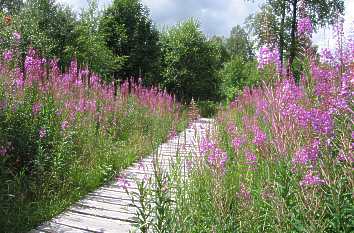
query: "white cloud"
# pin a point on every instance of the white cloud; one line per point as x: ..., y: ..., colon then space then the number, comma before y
x: 216, y: 16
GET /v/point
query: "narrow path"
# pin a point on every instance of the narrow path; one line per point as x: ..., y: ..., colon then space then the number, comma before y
x: 108, y: 208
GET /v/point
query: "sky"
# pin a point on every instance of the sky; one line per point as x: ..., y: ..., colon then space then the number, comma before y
x: 217, y: 17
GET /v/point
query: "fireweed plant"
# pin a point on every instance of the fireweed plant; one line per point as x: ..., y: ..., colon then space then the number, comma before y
x: 64, y: 134
x: 281, y: 157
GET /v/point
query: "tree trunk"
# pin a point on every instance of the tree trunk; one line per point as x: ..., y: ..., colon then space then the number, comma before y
x: 293, y: 37
x: 281, y: 37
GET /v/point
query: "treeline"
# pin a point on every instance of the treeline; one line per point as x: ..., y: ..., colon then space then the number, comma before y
x: 122, y: 42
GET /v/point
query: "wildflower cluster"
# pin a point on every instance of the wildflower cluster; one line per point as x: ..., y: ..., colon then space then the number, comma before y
x: 66, y: 132
x: 296, y: 134
x: 304, y: 26
x: 268, y: 56
x: 216, y: 157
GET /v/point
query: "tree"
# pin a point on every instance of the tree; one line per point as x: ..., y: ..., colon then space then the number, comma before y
x: 236, y: 74
x: 270, y: 27
x: 321, y: 12
x: 189, y: 62
x: 48, y: 27
x: 90, y: 48
x: 129, y: 32
x: 220, y: 45
x: 239, y: 44
x: 281, y: 17
x: 11, y: 6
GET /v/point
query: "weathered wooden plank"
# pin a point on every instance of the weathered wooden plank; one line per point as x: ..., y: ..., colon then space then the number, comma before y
x: 51, y: 227
x: 109, y: 208
x: 108, y: 204
x: 92, y: 223
x: 124, y: 216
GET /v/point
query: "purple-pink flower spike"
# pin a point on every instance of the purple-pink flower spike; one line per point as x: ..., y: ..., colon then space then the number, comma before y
x: 311, y: 180
x: 304, y: 26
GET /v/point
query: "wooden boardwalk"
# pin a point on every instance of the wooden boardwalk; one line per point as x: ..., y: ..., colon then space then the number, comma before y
x: 109, y: 209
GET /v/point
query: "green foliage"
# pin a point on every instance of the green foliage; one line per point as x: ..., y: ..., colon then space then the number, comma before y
x: 45, y: 175
x: 48, y: 27
x: 189, y: 62
x: 275, y: 24
x: 237, y: 74
x: 10, y: 6
x: 90, y: 48
x: 222, y: 51
x: 237, y: 67
x: 265, y: 25
x: 207, y: 108
x: 239, y: 44
x: 43, y: 25
x: 129, y: 32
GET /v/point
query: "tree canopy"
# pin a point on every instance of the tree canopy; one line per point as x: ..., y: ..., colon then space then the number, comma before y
x: 276, y: 23
x: 10, y: 6
x: 189, y: 62
x: 129, y: 32
x: 239, y: 44
x: 90, y: 48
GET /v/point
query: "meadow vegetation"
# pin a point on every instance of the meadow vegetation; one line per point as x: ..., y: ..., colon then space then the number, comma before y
x: 84, y: 95
x: 281, y: 156
x: 64, y: 134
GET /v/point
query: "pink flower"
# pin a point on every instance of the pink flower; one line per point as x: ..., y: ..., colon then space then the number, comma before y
x: 42, y: 133
x: 216, y: 157
x: 306, y: 154
x: 3, y: 151
x: 268, y: 56
x: 36, y: 108
x: 16, y: 36
x: 237, y: 142
x: 304, y: 26
x: 342, y: 157
x: 19, y: 82
x: 231, y: 127
x: 310, y: 180
x: 244, y: 194
x: 7, y: 55
x: 64, y: 125
x: 123, y: 182
x: 251, y: 159
x: 321, y: 121
x: 259, y: 136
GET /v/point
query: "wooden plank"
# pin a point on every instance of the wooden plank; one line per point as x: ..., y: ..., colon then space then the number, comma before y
x: 92, y: 223
x: 107, y: 204
x: 124, y: 216
x: 51, y: 227
x: 109, y: 208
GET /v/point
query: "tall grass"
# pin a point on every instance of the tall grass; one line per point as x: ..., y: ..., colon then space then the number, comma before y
x: 281, y: 157
x: 64, y: 134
